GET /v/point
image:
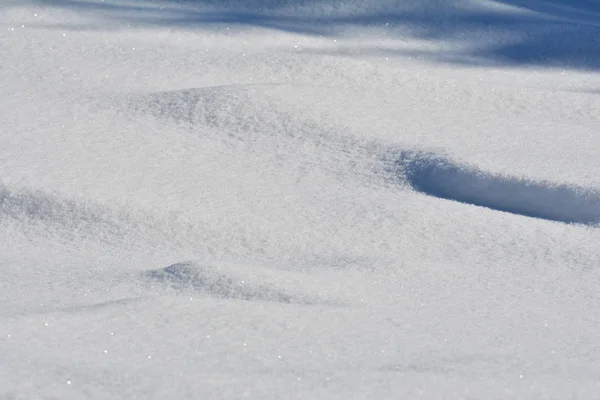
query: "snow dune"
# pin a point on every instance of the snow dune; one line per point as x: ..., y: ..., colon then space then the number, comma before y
x: 299, y: 199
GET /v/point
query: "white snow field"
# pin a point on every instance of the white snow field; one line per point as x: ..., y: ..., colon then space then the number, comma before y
x: 310, y: 199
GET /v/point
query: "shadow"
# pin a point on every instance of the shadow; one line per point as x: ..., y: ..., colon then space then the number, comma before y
x: 440, y: 177
x: 579, y: 11
x: 589, y: 91
x: 553, y: 33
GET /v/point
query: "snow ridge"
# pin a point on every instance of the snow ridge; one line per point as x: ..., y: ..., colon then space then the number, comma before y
x: 442, y: 177
x: 221, y: 282
x: 52, y: 211
x: 72, y: 219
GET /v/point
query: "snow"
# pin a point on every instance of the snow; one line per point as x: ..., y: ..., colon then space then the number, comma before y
x: 445, y: 179
x: 299, y: 199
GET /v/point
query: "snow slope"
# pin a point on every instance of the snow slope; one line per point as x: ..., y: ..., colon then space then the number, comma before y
x: 299, y: 199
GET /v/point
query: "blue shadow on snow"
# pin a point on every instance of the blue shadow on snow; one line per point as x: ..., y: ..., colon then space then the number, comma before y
x: 443, y: 178
x: 557, y: 33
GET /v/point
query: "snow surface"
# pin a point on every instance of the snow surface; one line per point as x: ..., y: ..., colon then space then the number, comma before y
x: 300, y: 199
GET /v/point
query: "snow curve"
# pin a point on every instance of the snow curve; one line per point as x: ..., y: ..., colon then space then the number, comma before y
x: 442, y: 177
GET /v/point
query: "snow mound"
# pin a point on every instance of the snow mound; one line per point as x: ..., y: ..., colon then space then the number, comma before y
x: 442, y: 177
x: 245, y: 111
x: 282, y: 117
x: 44, y: 214
x: 221, y: 282
x: 53, y: 212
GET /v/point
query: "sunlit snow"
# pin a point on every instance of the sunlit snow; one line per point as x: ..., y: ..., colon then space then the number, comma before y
x: 317, y: 199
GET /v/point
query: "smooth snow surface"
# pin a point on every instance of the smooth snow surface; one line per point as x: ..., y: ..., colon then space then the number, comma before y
x: 333, y: 199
